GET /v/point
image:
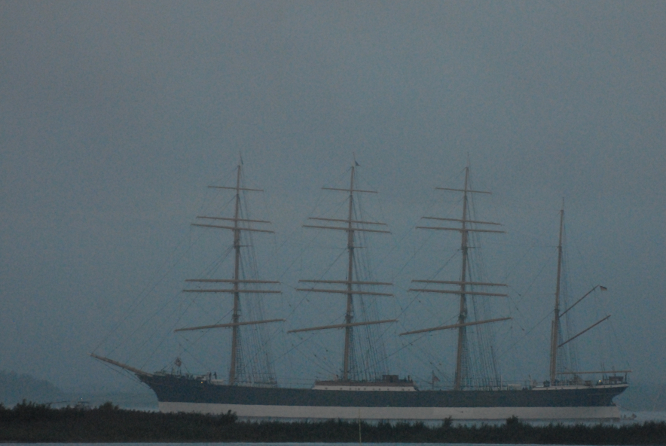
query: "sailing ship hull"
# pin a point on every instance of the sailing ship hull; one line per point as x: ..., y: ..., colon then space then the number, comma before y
x: 186, y: 394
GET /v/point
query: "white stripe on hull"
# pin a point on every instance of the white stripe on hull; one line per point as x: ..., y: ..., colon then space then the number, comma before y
x: 398, y: 413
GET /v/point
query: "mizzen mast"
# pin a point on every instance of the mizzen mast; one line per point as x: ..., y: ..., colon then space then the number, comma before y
x: 464, y: 284
x: 351, y: 226
x: 239, y: 225
x: 555, y: 335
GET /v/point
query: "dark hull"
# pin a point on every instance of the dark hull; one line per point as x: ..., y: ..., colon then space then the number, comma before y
x: 177, y: 393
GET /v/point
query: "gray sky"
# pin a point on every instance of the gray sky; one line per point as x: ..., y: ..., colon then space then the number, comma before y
x: 115, y: 116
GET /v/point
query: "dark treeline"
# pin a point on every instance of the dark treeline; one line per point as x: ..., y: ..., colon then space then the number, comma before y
x: 31, y: 422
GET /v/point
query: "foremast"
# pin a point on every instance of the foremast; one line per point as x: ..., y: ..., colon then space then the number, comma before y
x: 351, y: 226
x: 239, y: 225
x: 464, y: 284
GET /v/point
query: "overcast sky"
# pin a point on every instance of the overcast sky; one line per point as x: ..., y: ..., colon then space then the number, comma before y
x: 115, y: 116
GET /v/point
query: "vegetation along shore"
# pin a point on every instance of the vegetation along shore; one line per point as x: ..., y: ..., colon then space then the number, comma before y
x: 32, y: 422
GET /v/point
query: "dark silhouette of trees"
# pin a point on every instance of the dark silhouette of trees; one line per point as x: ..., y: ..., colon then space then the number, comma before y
x: 34, y: 423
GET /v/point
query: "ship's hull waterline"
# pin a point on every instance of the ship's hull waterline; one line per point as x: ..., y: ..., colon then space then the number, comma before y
x: 181, y: 394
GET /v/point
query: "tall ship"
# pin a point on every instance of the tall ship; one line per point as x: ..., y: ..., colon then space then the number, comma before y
x: 355, y: 392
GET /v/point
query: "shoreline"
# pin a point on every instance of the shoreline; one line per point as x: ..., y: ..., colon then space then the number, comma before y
x: 39, y: 423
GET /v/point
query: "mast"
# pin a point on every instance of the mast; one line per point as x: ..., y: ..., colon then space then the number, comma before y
x: 351, y: 226
x: 555, y: 343
x: 462, y: 316
x: 239, y: 225
x: 466, y: 227
x: 235, y: 314
x: 554, y: 335
x: 350, y: 272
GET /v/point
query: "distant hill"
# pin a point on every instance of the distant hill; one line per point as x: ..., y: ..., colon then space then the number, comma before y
x: 14, y: 388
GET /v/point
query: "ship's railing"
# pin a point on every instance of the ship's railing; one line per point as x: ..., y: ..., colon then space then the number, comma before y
x: 608, y: 378
x: 586, y: 379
